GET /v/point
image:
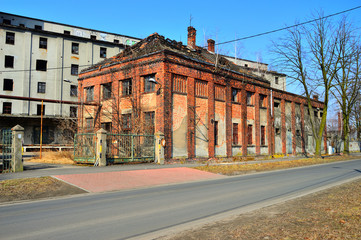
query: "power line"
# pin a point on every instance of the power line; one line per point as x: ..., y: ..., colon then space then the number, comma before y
x: 281, y: 29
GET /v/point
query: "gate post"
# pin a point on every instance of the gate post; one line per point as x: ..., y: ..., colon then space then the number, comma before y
x: 17, y: 145
x: 159, y: 147
x: 101, y: 147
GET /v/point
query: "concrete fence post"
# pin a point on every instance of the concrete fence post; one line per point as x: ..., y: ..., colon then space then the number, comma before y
x: 159, y: 147
x: 17, y: 146
x: 101, y: 147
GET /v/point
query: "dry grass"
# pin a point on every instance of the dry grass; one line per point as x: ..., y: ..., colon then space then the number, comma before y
x: 235, y: 169
x: 34, y: 188
x: 63, y: 157
x: 331, y: 214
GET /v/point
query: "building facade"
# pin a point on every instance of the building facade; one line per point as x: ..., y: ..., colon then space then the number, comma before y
x: 205, y: 105
x: 41, y: 59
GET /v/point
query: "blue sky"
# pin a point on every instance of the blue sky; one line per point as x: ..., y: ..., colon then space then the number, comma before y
x: 220, y: 20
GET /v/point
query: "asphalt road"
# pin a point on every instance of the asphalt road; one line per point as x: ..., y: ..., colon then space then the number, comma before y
x: 151, y: 212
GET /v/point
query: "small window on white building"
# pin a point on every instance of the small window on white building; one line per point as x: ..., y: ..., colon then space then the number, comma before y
x: 8, y: 84
x: 73, y: 90
x: 103, y: 52
x: 74, y: 69
x: 7, y: 107
x: 75, y: 48
x: 276, y: 80
x: 10, y: 38
x: 41, y: 87
x: 41, y: 65
x: 43, y: 43
x: 9, y: 61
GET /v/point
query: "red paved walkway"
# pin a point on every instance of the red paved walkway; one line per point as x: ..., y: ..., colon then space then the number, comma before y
x: 111, y: 181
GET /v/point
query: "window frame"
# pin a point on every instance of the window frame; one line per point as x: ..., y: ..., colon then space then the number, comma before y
x: 73, y: 111
x: 75, y: 48
x: 74, y: 69
x: 89, y: 94
x: 127, y: 88
x: 106, y: 90
x: 7, y: 108
x: 73, y: 90
x: 43, y: 43
x: 41, y: 87
x: 149, y: 87
x: 103, y: 52
x: 10, y: 38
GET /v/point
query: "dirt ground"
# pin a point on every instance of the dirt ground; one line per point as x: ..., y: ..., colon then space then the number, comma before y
x: 334, y: 213
x: 35, y: 188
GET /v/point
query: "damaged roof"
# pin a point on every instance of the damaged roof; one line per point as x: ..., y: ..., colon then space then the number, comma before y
x: 155, y: 43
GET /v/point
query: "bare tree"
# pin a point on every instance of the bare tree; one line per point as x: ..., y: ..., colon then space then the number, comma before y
x: 347, y: 82
x: 309, y: 56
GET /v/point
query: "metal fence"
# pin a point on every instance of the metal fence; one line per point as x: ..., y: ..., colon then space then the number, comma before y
x: 130, y: 148
x: 85, y: 147
x: 7, y: 149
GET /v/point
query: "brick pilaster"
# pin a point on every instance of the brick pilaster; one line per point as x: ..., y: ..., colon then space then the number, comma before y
x: 229, y: 120
x: 293, y: 122
x: 302, y: 110
x: 167, y: 112
x: 257, y: 124
x: 244, y: 121
x: 191, y: 108
x: 283, y: 124
x: 211, y: 114
x: 270, y: 124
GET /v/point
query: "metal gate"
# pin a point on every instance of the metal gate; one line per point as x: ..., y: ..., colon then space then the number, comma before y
x: 7, y: 150
x: 130, y: 148
x: 85, y: 147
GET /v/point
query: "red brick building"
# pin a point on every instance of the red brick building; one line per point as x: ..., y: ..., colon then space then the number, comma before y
x: 205, y: 105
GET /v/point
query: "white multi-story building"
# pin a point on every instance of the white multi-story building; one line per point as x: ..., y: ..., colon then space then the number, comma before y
x: 42, y: 59
x: 277, y: 80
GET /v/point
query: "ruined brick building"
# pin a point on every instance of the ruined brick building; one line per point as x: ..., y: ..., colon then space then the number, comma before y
x: 205, y: 105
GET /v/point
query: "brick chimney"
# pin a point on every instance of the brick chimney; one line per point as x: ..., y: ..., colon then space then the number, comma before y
x: 191, y: 37
x: 210, y: 45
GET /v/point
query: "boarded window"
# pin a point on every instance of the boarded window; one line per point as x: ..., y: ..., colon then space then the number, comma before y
x: 7, y: 107
x: 149, y: 83
x: 127, y: 87
x: 235, y: 133
x: 89, y: 123
x: 201, y: 88
x: 219, y: 92
x: 149, y: 122
x: 8, y: 84
x: 127, y: 122
x: 10, y: 38
x: 250, y: 98
x: 43, y: 43
x: 107, y: 90
x: 179, y: 83
x: 263, y: 135
x: 250, y: 134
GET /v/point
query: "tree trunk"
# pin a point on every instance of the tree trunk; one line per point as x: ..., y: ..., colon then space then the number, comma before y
x: 346, y: 134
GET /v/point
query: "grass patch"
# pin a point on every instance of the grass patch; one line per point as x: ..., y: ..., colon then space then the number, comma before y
x: 236, y: 169
x: 63, y: 157
x: 334, y: 213
x: 34, y: 188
